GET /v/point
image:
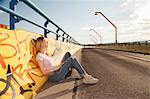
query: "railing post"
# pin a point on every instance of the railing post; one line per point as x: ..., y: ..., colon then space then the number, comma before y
x: 70, y: 40
x: 67, y: 38
x: 57, y: 33
x: 146, y: 42
x: 12, y: 5
x: 63, y: 37
x: 45, y: 31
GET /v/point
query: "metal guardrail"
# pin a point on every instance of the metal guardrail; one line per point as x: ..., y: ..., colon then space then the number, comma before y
x: 147, y: 42
x: 15, y: 17
x: 22, y: 18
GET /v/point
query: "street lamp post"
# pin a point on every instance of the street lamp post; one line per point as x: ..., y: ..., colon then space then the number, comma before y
x: 96, y: 13
x: 93, y: 38
x: 97, y: 34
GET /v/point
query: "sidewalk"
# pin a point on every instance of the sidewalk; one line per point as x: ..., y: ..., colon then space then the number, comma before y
x: 60, y: 90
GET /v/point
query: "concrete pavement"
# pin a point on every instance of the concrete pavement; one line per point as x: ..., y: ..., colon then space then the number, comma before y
x: 120, y: 76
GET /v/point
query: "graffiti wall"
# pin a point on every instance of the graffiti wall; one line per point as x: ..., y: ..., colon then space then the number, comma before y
x: 20, y: 76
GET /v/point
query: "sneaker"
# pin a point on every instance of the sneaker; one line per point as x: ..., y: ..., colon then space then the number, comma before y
x: 90, y: 80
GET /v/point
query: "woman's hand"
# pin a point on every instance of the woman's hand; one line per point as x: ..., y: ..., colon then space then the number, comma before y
x: 54, y: 52
x: 51, y: 73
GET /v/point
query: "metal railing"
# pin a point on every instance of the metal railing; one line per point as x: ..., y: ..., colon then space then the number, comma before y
x: 147, y: 42
x: 15, y: 17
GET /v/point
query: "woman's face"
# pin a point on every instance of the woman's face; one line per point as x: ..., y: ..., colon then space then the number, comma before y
x: 45, y: 43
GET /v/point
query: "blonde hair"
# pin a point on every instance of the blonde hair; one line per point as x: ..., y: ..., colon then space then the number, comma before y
x: 38, y: 43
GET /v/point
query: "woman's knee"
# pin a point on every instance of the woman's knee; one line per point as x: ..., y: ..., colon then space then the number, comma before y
x: 68, y: 54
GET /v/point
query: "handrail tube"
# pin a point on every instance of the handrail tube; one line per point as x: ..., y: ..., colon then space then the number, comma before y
x: 76, y: 41
x: 34, y: 7
x: 18, y: 15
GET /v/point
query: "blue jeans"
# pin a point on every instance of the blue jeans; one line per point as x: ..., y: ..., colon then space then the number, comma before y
x: 68, y: 64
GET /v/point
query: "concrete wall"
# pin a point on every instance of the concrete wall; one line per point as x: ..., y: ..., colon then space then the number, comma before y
x: 17, y: 48
x: 137, y: 47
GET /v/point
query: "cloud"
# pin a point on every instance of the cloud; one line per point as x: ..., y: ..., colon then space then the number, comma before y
x: 97, y: 28
x: 130, y: 2
x: 134, y: 28
x: 137, y: 28
x: 137, y: 8
x: 127, y: 2
x: 142, y: 13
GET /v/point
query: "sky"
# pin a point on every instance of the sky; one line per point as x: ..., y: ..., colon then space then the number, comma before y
x: 76, y: 17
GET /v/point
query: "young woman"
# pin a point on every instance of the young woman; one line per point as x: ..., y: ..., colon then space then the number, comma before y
x: 57, y: 73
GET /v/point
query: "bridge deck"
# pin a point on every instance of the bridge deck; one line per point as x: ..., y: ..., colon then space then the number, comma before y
x: 121, y: 75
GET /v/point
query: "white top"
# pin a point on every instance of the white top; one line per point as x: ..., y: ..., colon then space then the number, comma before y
x: 48, y: 65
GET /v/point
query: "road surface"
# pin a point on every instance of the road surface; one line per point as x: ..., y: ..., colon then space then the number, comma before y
x: 122, y: 75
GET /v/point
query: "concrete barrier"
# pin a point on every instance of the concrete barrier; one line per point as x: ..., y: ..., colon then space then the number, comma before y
x: 17, y: 49
x: 135, y: 47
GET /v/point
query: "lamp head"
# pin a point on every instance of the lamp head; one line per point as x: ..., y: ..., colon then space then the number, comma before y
x: 90, y: 29
x: 96, y: 13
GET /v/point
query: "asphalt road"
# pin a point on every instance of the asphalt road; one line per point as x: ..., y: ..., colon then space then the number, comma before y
x: 121, y: 75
